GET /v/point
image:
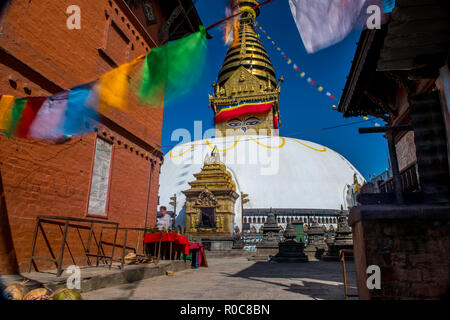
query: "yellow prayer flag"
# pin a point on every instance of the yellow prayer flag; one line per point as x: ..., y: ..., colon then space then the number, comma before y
x: 320, y: 88
x: 114, y: 85
x: 302, y: 74
x: 6, y: 106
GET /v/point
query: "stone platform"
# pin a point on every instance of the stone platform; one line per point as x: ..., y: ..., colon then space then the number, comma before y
x: 94, y: 278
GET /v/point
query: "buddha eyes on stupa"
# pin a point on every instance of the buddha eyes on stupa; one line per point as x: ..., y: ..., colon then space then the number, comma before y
x: 252, y: 121
x: 234, y: 123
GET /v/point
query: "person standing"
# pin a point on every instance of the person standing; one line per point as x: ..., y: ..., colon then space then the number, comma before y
x: 165, y: 220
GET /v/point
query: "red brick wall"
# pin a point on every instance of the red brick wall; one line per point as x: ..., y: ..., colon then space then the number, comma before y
x: 40, y: 53
x: 36, y: 34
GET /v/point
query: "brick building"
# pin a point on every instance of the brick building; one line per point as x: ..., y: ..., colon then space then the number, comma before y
x: 400, y: 74
x: 109, y: 175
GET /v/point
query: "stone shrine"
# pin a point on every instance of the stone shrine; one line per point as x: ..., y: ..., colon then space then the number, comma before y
x: 316, y: 244
x: 289, y: 249
x: 342, y: 240
x: 210, y: 205
x: 271, y: 237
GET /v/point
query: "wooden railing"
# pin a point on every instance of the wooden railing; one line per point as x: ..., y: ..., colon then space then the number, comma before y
x: 409, y: 177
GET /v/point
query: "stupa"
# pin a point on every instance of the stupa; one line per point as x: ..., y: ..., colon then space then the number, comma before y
x: 271, y: 237
x: 290, y: 250
x: 316, y: 243
x: 342, y: 240
x: 280, y: 172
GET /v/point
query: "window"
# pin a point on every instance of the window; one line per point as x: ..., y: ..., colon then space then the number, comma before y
x: 98, y: 194
x: 207, y: 218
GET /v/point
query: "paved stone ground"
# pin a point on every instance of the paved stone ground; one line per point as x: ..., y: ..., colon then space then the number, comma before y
x: 240, y: 279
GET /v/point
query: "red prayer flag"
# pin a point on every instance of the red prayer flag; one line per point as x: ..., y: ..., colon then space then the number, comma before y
x: 32, y: 107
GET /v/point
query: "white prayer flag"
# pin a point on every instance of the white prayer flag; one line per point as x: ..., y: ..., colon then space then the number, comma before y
x: 322, y: 23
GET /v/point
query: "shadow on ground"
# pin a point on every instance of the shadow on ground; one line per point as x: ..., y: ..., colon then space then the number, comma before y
x: 317, y: 280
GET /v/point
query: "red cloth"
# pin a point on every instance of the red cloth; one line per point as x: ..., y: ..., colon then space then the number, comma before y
x: 198, y: 246
x: 230, y: 112
x: 179, y: 240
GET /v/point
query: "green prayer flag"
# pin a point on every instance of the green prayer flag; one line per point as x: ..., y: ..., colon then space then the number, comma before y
x: 171, y: 70
x: 16, y: 113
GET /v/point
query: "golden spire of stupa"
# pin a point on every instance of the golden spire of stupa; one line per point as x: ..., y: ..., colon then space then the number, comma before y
x: 247, y: 78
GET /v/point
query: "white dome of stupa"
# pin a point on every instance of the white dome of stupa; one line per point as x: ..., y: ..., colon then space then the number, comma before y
x: 276, y: 172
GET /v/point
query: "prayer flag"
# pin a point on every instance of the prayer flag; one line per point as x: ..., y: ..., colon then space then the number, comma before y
x: 114, y: 85
x: 50, y: 115
x: 6, y: 106
x: 171, y: 70
x: 16, y: 113
x: 388, y: 5
x: 81, y: 115
x: 32, y: 106
x: 322, y: 23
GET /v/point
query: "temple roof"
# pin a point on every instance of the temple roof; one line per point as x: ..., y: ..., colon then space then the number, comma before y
x: 413, y: 45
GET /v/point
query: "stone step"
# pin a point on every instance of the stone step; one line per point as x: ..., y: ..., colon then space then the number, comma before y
x: 94, y: 278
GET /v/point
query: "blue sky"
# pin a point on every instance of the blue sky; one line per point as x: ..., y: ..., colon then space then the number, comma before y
x: 302, y: 107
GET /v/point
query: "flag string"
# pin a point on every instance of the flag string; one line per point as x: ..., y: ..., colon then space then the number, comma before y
x: 296, y: 68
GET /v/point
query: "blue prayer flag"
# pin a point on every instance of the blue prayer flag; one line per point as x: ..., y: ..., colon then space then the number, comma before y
x: 388, y: 5
x: 81, y: 115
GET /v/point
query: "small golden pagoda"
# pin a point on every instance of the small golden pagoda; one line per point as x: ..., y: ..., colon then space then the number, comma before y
x: 210, y: 200
x: 247, y: 78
